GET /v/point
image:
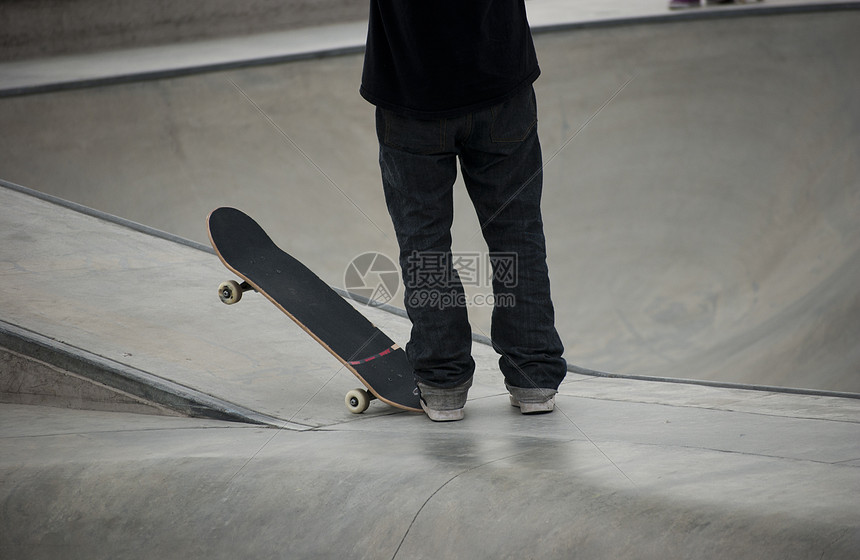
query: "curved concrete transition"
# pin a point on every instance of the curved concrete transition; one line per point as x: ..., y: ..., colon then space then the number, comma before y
x: 702, y: 184
x: 108, y: 485
x: 705, y: 222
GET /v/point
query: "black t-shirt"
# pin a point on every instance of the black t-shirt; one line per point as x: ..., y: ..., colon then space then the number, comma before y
x: 440, y: 58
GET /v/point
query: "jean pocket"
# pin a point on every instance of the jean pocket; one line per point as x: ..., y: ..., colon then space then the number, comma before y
x: 514, y: 119
x: 410, y: 135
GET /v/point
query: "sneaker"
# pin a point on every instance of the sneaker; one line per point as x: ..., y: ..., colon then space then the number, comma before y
x: 684, y: 4
x: 532, y: 401
x: 444, y: 405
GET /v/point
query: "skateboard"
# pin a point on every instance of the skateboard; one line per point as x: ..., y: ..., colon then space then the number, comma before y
x: 379, y: 363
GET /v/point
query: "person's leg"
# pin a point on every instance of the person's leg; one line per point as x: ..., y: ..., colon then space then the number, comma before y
x: 418, y: 172
x: 502, y: 169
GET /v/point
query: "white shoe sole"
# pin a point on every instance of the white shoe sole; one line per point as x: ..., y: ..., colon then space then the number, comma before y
x: 534, y: 408
x: 443, y: 415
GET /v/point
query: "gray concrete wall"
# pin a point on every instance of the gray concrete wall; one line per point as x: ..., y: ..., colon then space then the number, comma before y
x: 30, y: 28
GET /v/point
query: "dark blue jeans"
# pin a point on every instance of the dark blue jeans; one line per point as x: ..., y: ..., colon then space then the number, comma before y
x: 500, y: 159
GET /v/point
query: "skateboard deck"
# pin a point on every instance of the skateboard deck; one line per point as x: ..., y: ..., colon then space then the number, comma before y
x: 379, y: 363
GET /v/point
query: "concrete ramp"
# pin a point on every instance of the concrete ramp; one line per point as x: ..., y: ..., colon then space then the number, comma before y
x: 622, y: 469
x: 702, y: 204
x: 702, y: 184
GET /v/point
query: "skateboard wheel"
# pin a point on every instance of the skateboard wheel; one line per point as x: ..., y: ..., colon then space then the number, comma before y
x: 357, y: 401
x: 230, y: 292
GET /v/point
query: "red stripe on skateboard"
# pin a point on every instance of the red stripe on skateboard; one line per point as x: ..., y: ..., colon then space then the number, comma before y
x: 369, y: 358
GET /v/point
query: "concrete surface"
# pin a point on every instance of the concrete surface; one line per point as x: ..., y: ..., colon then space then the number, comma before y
x: 622, y: 469
x: 703, y: 222
x: 602, y: 480
x: 701, y: 200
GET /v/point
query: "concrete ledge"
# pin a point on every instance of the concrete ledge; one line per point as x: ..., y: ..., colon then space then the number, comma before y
x: 26, y: 380
x: 54, y: 27
x: 126, y: 63
x: 129, y: 386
